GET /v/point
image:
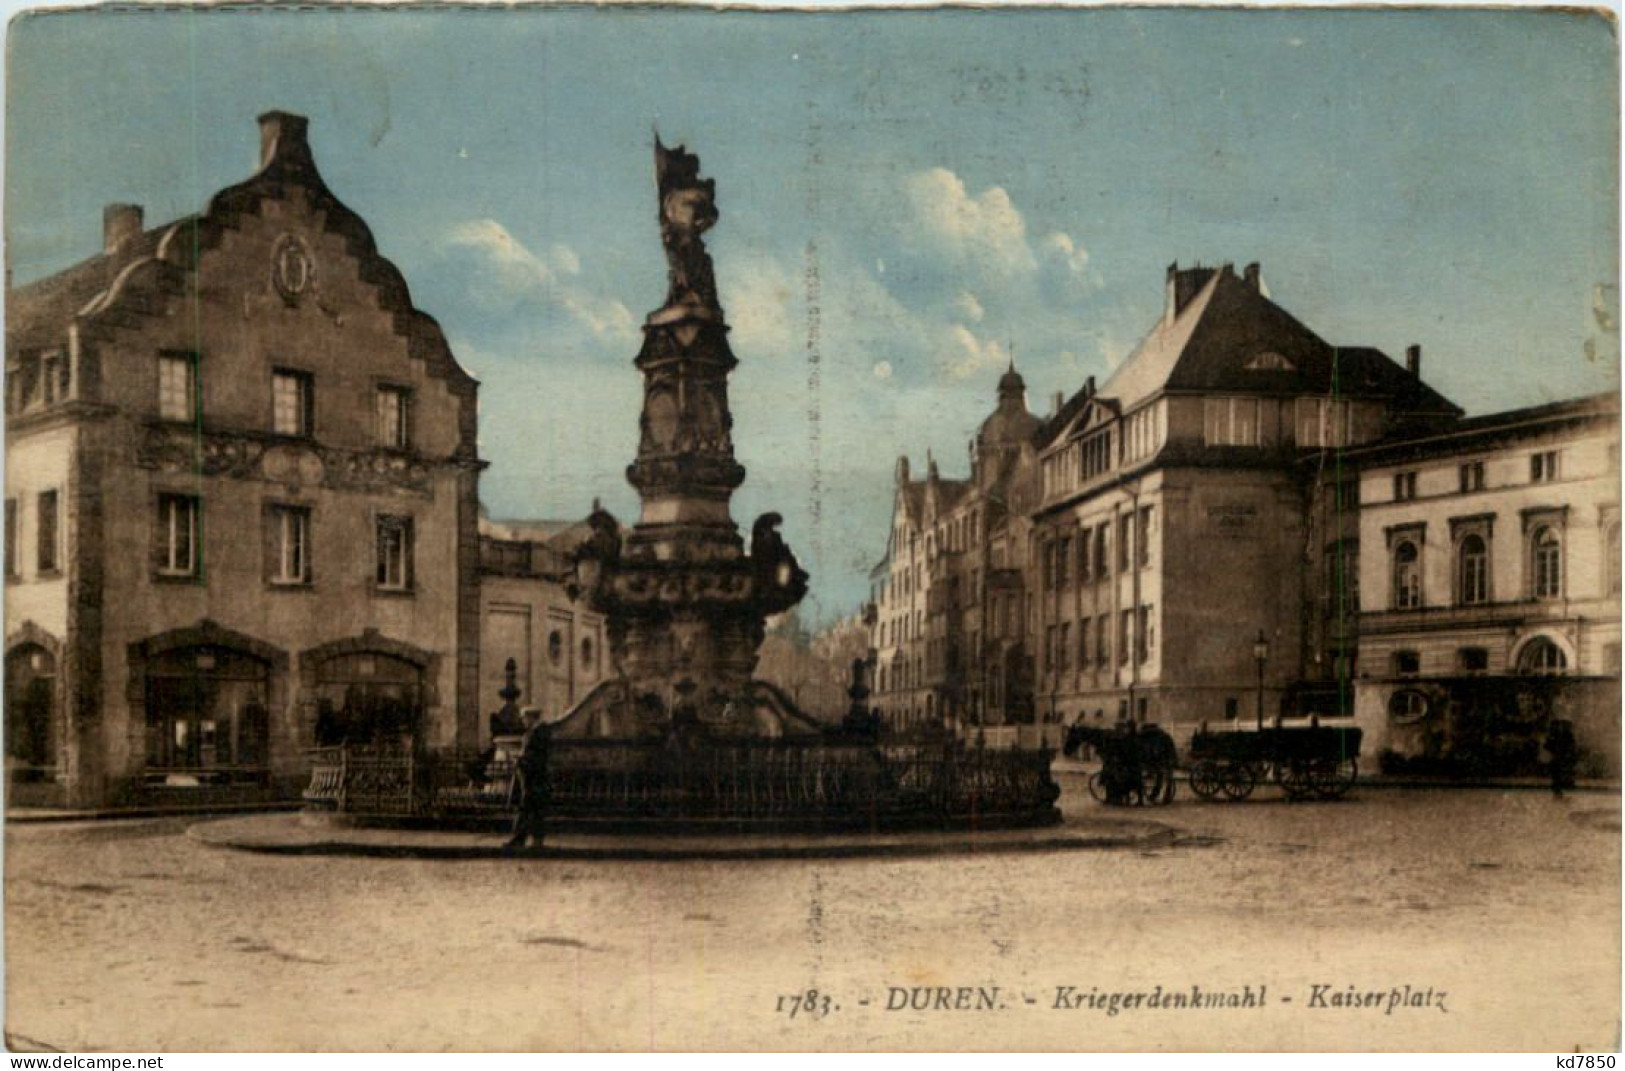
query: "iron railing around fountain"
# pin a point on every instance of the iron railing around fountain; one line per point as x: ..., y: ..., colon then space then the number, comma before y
x: 749, y: 781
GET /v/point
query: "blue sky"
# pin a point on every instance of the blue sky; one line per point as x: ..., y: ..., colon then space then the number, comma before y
x: 963, y: 183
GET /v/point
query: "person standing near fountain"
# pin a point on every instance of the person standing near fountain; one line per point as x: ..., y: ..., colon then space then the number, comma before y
x: 531, y: 785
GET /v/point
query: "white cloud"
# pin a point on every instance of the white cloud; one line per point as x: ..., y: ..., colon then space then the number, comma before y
x: 761, y: 300
x: 882, y: 369
x: 986, y: 227
x: 517, y: 273
x: 565, y: 259
x: 513, y: 265
x: 969, y: 307
x: 1067, y: 253
x: 967, y: 355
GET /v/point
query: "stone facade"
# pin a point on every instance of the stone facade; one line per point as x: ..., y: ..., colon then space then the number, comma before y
x: 686, y: 605
x: 559, y: 647
x: 1122, y: 556
x: 949, y: 613
x: 1182, y: 510
x: 265, y: 484
x: 1489, y: 588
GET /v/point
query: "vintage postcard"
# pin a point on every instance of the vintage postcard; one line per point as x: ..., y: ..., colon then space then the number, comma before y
x: 649, y: 528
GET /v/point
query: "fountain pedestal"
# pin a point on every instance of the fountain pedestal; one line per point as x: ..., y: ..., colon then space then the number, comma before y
x: 685, y: 601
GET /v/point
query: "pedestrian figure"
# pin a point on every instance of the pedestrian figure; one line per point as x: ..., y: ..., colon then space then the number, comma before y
x: 1564, y: 752
x: 531, y: 787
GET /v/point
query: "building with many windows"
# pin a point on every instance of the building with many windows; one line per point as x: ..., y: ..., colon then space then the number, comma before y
x: 1489, y: 588
x: 241, y: 502
x: 1197, y: 504
x: 949, y: 618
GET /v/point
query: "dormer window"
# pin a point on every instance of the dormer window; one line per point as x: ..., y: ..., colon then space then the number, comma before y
x: 1269, y: 361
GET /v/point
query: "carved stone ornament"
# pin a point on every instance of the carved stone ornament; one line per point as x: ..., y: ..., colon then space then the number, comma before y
x: 215, y: 453
x: 292, y: 268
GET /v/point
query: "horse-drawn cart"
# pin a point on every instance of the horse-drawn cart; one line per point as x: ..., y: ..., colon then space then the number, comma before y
x: 1308, y: 762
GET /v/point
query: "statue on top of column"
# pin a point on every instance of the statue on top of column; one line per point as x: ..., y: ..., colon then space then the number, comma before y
x: 687, y: 210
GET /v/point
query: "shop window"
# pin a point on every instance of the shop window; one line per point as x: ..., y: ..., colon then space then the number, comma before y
x: 368, y: 698
x: 32, y: 732
x: 206, y: 710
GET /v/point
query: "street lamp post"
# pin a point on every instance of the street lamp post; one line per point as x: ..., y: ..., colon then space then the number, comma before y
x: 1261, y: 654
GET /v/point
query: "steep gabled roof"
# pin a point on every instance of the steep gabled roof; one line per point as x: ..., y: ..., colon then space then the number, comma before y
x: 38, y: 313
x: 1230, y: 337
x: 154, y: 267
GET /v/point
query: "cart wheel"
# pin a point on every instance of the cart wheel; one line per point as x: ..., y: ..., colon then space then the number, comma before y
x: 1239, y: 780
x: 1297, y: 779
x: 1333, y: 779
x: 1205, y: 780
x: 1097, y: 787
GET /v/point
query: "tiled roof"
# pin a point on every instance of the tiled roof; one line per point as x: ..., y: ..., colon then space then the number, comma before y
x: 38, y: 313
x: 1230, y: 337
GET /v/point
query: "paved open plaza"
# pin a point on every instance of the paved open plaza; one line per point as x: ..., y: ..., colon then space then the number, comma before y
x: 1275, y: 925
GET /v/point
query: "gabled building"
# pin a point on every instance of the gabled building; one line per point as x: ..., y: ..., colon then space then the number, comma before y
x: 1489, y: 589
x: 241, y: 502
x: 1191, y: 504
x: 949, y: 606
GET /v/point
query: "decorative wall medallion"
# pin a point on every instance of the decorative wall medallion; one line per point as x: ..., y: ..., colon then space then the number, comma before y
x: 292, y: 269
x: 293, y: 465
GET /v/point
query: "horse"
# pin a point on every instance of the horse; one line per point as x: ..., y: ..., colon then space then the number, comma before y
x: 1137, y: 764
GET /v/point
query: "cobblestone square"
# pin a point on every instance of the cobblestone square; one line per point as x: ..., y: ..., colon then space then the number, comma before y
x: 1504, y: 904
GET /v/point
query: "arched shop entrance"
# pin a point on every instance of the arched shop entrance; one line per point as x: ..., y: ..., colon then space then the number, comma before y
x: 207, y: 714
x: 33, y: 732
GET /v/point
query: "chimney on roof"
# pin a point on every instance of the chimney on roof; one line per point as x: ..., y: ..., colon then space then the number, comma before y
x: 282, y: 137
x: 1185, y: 285
x: 1413, y: 360
x: 1251, y: 274
x: 1056, y: 400
x: 902, y: 469
x: 1089, y: 387
x: 120, y: 223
